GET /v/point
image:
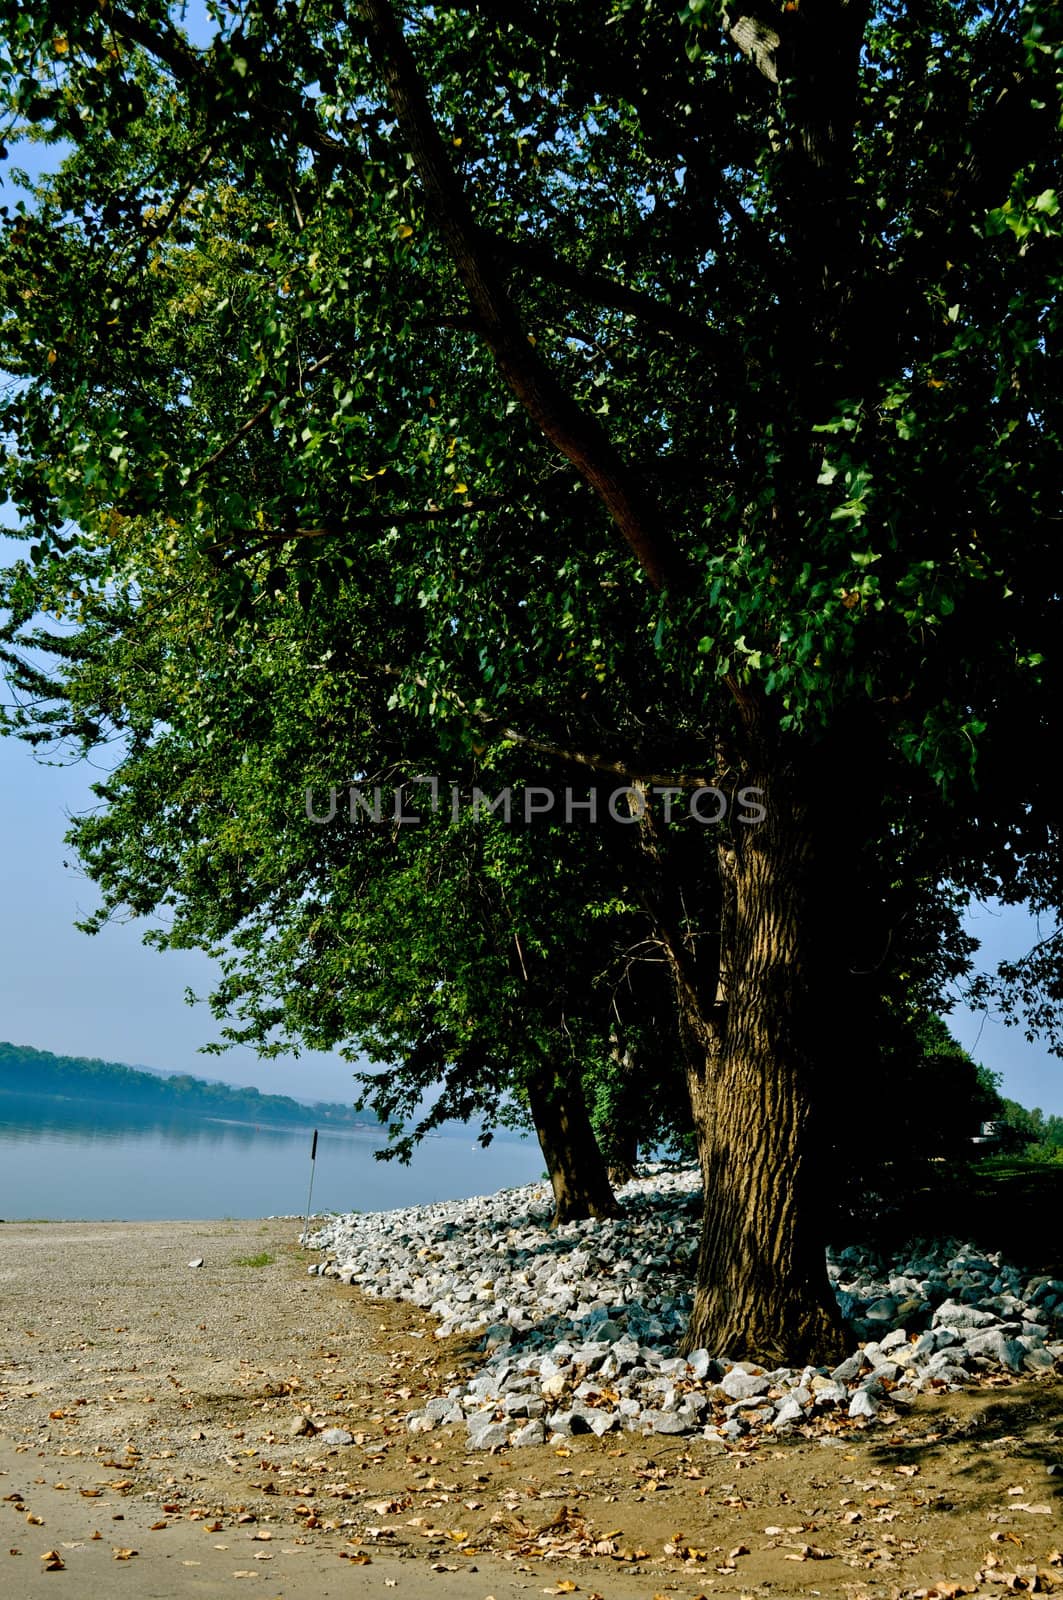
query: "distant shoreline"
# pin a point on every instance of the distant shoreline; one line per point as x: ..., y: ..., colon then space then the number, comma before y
x: 25, y: 1070
x: 153, y: 1113
x: 89, y: 1111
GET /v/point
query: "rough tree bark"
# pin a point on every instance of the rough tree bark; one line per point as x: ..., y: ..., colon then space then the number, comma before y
x: 573, y: 1160
x: 752, y: 1001
x: 756, y: 1093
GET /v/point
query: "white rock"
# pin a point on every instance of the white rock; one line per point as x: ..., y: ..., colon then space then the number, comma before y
x: 741, y: 1385
x: 604, y: 1305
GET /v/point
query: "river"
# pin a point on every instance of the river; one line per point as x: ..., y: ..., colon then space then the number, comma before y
x: 82, y: 1162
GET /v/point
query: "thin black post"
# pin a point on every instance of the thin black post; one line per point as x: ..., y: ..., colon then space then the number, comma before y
x: 309, y: 1192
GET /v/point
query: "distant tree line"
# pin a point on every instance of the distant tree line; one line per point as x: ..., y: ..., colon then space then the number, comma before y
x: 24, y: 1070
x: 1030, y: 1133
x: 959, y: 1092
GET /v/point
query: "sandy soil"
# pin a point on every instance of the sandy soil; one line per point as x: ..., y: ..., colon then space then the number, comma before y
x: 146, y: 1416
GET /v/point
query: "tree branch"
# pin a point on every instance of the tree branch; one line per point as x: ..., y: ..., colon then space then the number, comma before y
x: 583, y: 758
x: 578, y: 436
x: 253, y: 421
x: 275, y: 538
x: 163, y: 42
x: 605, y: 291
x: 192, y: 66
x: 757, y: 40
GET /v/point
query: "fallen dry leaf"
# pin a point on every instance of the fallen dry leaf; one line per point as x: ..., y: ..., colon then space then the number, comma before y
x: 124, y: 1555
x: 53, y: 1561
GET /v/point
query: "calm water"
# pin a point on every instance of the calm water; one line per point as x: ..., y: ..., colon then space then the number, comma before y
x: 69, y: 1162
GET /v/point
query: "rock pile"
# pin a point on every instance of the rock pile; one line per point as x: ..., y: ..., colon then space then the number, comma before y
x: 580, y: 1324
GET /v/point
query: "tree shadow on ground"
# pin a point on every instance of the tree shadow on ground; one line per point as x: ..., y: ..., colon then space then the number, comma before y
x: 971, y: 1441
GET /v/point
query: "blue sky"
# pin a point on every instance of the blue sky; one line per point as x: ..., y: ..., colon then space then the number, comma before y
x: 106, y: 995
x: 1031, y: 1075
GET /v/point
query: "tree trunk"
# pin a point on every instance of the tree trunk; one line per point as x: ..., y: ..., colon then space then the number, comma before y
x: 573, y: 1160
x: 757, y: 1088
x: 752, y: 995
x: 624, y: 1164
x: 620, y: 1146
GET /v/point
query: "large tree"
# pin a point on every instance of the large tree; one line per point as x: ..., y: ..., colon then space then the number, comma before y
x: 692, y: 376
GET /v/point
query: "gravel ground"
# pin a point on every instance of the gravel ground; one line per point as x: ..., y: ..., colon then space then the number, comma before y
x: 153, y: 1404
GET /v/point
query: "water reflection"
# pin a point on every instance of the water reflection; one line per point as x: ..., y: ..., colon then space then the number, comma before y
x: 80, y: 1160
x: 30, y: 1116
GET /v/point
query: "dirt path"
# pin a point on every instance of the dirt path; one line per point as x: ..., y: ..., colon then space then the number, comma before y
x: 148, y: 1406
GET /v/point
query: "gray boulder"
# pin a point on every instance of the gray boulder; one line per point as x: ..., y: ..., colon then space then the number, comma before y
x: 951, y: 1314
x: 993, y: 1345
x: 742, y: 1385
x: 489, y: 1436
x: 532, y: 1433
